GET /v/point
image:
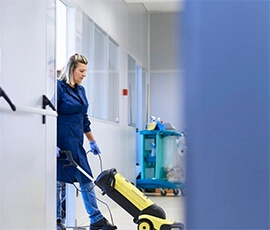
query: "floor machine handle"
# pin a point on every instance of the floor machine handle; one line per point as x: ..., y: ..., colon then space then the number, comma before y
x: 69, y: 157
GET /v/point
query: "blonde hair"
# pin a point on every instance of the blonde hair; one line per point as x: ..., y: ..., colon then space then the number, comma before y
x: 72, y: 63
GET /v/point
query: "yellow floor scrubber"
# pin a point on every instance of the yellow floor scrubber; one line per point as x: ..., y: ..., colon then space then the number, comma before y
x: 146, y: 214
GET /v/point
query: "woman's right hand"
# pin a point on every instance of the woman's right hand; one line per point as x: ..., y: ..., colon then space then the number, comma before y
x: 94, y: 147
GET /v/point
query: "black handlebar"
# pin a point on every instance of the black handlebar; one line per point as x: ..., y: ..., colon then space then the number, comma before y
x: 69, y: 157
x: 45, y: 102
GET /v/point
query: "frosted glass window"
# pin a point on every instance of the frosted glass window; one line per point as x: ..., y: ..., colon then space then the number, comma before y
x: 78, y: 16
x: 102, y: 80
x: 132, y: 91
x: 88, y: 39
x: 61, y: 38
x: 50, y: 49
x: 113, y: 82
x: 99, y: 84
x: 144, y: 103
x: 87, y: 50
x: 104, y: 77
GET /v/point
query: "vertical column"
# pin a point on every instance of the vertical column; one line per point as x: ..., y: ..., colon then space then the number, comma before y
x: 226, y: 66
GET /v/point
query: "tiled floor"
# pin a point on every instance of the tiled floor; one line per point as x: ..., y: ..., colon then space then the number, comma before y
x: 174, y: 207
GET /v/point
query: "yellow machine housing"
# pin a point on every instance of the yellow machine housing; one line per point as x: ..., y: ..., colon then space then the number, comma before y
x: 147, y: 215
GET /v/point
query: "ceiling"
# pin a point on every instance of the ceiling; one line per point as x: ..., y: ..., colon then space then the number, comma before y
x: 159, y: 5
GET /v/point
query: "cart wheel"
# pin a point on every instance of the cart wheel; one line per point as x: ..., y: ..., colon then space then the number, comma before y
x: 175, y: 192
x: 163, y: 192
x: 145, y: 225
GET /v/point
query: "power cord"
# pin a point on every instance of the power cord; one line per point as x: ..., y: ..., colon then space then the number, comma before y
x: 100, y: 160
x: 77, y: 189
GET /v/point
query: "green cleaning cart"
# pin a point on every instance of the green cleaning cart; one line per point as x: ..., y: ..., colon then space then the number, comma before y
x: 155, y: 174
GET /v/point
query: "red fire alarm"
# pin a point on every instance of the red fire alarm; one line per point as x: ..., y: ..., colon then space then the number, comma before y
x: 125, y: 92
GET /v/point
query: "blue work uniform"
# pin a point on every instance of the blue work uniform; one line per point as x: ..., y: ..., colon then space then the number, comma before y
x: 72, y: 123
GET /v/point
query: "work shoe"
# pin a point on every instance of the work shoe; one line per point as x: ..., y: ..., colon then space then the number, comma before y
x: 102, y: 224
x: 60, y: 225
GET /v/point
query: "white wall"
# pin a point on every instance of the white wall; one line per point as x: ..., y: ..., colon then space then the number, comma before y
x: 166, y: 77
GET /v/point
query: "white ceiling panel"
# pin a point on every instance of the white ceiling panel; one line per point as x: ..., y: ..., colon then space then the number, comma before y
x: 162, y: 7
x: 159, y: 5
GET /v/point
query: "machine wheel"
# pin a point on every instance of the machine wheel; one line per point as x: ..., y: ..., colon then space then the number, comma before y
x: 175, y: 192
x: 163, y: 192
x: 145, y: 225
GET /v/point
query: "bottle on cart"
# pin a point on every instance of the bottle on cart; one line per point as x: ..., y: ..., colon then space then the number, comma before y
x: 153, y: 151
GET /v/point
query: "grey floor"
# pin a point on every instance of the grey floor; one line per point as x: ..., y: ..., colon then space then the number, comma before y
x: 174, y: 207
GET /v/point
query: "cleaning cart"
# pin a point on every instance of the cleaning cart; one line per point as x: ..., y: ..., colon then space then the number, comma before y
x: 156, y: 170
x: 146, y: 214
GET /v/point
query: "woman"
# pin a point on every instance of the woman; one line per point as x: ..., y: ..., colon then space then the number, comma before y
x: 72, y: 123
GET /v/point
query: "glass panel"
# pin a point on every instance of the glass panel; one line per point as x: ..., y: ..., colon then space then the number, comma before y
x: 61, y: 38
x: 100, y: 77
x: 132, y: 91
x: 144, y: 103
x: 113, y: 82
x: 102, y: 52
x: 87, y: 41
x: 50, y: 49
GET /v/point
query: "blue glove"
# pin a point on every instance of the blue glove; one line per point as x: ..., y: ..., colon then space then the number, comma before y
x: 58, y: 151
x: 94, y: 147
